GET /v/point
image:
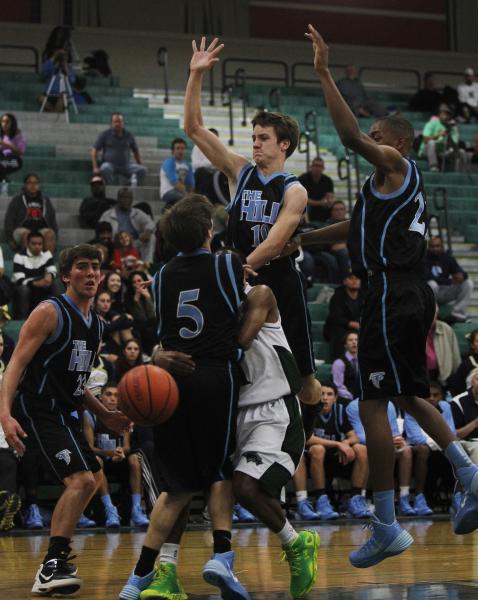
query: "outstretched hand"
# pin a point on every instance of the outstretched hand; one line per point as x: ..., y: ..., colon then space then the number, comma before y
x: 321, y: 50
x: 205, y: 58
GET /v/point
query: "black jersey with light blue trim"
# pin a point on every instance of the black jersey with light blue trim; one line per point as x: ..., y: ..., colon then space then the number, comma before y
x: 256, y: 206
x: 197, y: 298
x: 387, y: 231
x: 60, y: 369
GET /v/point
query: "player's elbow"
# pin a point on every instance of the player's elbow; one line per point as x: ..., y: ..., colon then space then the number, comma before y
x: 191, y: 127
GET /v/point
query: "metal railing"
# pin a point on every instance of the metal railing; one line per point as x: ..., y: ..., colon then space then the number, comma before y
x: 298, y: 65
x: 303, y: 147
x: 385, y: 85
x: 275, y: 99
x: 162, y: 58
x: 351, y: 162
x: 311, y: 122
x: 440, y: 215
x: 227, y: 77
x: 240, y: 83
x: 36, y: 61
x: 226, y: 96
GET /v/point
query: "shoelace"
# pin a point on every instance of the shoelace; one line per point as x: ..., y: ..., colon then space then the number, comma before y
x: 292, y: 556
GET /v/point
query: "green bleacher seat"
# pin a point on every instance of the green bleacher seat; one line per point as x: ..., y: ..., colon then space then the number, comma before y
x: 461, y: 329
x: 317, y: 331
x: 13, y: 329
x: 322, y: 351
x: 318, y: 312
x: 323, y: 372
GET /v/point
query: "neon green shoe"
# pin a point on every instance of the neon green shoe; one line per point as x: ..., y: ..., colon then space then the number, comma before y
x: 302, y: 556
x: 165, y: 584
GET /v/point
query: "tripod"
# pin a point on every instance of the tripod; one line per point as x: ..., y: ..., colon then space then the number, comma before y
x: 64, y: 92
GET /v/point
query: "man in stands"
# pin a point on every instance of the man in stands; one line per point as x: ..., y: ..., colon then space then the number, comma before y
x: 449, y: 282
x: 33, y: 275
x: 176, y: 175
x: 441, y: 138
x: 468, y: 96
x: 354, y: 94
x: 320, y: 191
x: 115, y: 145
x: 92, y: 207
x: 345, y: 369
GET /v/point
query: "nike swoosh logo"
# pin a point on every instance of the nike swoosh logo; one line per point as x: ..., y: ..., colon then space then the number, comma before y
x: 44, y: 579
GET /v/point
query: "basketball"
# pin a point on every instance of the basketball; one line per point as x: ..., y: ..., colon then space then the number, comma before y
x: 148, y: 395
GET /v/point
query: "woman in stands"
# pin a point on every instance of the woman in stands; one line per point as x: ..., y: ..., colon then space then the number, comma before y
x: 113, y: 284
x: 132, y: 356
x: 139, y: 305
x: 12, y: 145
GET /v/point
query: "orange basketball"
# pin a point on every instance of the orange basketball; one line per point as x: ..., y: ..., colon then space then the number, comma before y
x: 148, y: 395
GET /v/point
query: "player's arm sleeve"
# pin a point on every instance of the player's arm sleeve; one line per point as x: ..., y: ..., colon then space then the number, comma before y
x: 230, y: 279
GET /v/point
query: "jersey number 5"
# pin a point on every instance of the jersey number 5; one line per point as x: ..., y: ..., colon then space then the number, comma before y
x: 416, y: 225
x: 186, y: 309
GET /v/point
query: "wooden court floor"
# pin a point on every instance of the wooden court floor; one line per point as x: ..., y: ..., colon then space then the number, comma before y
x: 439, y: 565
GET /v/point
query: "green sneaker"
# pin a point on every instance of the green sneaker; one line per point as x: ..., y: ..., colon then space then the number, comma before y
x: 165, y: 584
x: 302, y: 557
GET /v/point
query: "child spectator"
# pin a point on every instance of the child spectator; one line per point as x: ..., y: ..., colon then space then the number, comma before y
x: 126, y: 257
x: 115, y: 455
x: 12, y: 145
x: 139, y: 304
x: 131, y: 356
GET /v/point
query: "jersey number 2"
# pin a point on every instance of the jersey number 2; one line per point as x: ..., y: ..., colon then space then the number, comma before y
x: 416, y: 225
x: 185, y: 309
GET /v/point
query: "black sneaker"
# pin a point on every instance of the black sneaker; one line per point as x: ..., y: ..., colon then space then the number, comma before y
x: 9, y: 506
x: 56, y: 576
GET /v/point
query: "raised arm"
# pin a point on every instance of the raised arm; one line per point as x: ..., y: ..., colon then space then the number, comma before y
x: 223, y: 159
x: 383, y: 157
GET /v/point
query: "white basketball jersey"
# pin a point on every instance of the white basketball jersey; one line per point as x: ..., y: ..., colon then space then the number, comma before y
x: 263, y: 368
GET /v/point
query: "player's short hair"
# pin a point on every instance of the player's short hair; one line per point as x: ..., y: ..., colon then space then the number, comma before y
x: 186, y: 224
x: 399, y: 127
x: 330, y: 384
x: 285, y: 127
x: 69, y: 255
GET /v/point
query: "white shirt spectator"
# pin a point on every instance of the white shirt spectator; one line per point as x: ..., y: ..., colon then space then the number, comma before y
x: 199, y: 160
x: 468, y: 94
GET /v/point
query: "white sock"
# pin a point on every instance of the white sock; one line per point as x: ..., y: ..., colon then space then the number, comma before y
x: 287, y: 534
x: 169, y: 554
x: 302, y: 495
x: 404, y: 490
x: 363, y: 493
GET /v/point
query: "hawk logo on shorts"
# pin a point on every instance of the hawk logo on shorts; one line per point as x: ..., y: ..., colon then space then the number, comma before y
x: 252, y: 457
x: 64, y: 455
x: 376, y: 378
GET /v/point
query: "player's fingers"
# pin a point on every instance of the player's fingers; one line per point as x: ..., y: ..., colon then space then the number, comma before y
x: 212, y: 45
x: 203, y: 44
x: 195, y: 48
x: 217, y: 50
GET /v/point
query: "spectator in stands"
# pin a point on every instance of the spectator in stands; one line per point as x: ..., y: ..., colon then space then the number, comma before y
x: 123, y: 217
x: 403, y: 452
x: 320, y: 191
x: 31, y: 211
x: 441, y: 139
x: 344, y: 313
x: 356, y: 97
x: 443, y: 351
x: 333, y: 449
x: 115, y: 145
x: 113, y: 284
x: 345, y: 369
x: 59, y: 39
x: 126, y: 257
x: 58, y: 73
x: 131, y: 356
x: 176, y: 174
x: 97, y: 65
x: 139, y: 305
x: 338, y: 213
x: 117, y: 459
x: 209, y: 181
x: 9, y: 344
x: 12, y: 145
x: 104, y: 236
x: 6, y: 286
x: 469, y: 362
x: 9, y: 500
x: 468, y: 96
x: 428, y: 98
x: 427, y: 455
x: 449, y: 282
x: 92, y: 207
x: 118, y: 327
x: 465, y: 415
x: 33, y: 274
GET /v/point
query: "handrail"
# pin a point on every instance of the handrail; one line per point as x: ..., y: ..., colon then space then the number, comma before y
x: 162, y: 58
x: 312, y: 124
x: 443, y: 210
x: 36, y: 61
x: 394, y: 70
x: 212, y: 99
x: 226, y: 95
x: 240, y: 82
x: 285, y: 68
x: 297, y: 65
x: 303, y: 147
x: 345, y: 160
x: 275, y: 98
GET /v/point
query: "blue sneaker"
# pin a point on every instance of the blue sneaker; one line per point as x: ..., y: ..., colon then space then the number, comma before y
x: 219, y: 571
x: 324, y: 509
x: 112, y: 517
x: 305, y: 512
x: 138, y: 518
x: 405, y: 507
x: 420, y: 506
x: 135, y: 585
x: 386, y: 541
x: 357, y: 507
x: 455, y: 502
x: 465, y: 519
x: 33, y: 518
x: 243, y: 515
x: 84, y: 522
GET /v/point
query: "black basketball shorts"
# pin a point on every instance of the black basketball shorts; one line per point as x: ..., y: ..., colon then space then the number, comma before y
x: 288, y: 286
x: 194, y: 447
x: 397, y: 315
x: 57, y: 435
